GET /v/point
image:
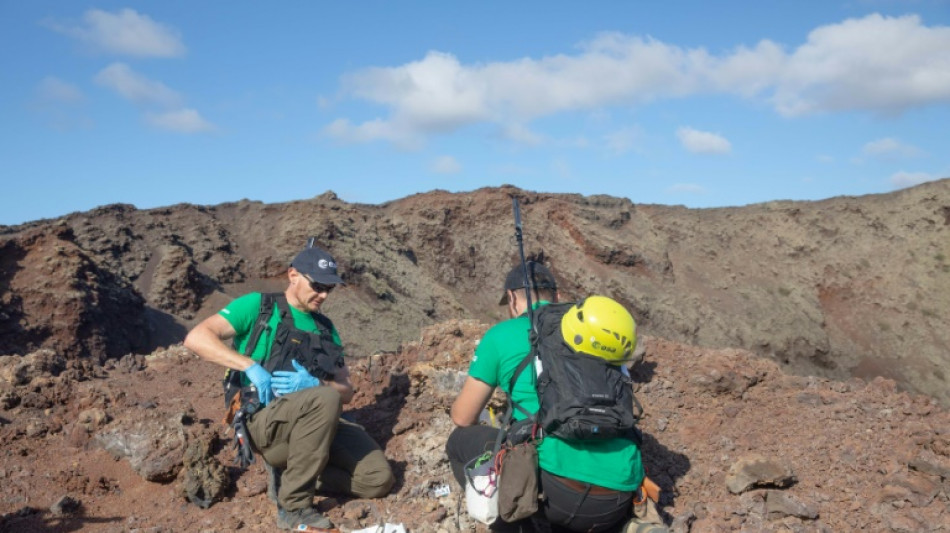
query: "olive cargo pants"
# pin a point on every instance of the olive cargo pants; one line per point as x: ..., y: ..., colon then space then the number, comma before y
x: 303, y: 435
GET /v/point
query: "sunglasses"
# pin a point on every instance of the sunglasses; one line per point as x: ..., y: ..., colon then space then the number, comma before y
x: 320, y: 287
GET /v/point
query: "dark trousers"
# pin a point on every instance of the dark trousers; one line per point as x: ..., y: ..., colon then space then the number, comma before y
x: 564, y: 508
x: 577, y: 509
x: 302, y: 435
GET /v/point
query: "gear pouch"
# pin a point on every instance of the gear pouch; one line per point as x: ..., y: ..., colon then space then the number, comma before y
x: 518, y: 481
x: 481, y: 489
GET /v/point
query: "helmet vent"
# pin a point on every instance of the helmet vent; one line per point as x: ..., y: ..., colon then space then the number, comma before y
x: 578, y: 339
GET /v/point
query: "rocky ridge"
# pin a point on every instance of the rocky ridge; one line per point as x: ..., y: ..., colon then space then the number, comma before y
x: 838, y: 288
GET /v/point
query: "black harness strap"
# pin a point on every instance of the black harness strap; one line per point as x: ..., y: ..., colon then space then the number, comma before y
x: 505, y: 423
x: 233, y: 378
x: 280, y: 337
x: 263, y: 318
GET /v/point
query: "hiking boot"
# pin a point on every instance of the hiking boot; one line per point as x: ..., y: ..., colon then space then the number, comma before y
x: 308, y: 516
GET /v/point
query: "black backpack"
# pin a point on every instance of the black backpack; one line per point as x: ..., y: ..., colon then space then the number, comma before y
x: 581, y: 397
x: 317, y: 353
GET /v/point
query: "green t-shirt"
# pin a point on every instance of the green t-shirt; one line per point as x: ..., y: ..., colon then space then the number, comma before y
x: 241, y: 313
x: 612, y: 463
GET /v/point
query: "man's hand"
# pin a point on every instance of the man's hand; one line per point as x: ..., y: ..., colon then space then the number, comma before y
x: 261, y: 380
x: 286, y: 382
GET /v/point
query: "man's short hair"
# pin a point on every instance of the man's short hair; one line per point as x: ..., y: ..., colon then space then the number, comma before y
x: 538, y: 275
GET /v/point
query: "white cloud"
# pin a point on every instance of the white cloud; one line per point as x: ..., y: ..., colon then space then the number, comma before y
x: 345, y: 131
x: 903, y: 179
x: 135, y: 87
x: 125, y: 32
x: 890, y: 147
x: 181, y: 121
x: 436, y: 93
x: 446, y: 164
x: 876, y: 63
x: 141, y: 90
x: 688, y: 188
x: 747, y: 72
x: 52, y: 89
x: 703, y: 142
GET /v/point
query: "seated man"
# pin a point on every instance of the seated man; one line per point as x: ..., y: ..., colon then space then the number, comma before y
x: 586, y: 485
x: 298, y: 429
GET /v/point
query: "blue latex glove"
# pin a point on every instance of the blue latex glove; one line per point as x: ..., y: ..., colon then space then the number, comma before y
x: 261, y: 380
x: 286, y: 382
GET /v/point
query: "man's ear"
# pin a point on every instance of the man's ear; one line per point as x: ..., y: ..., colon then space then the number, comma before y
x: 512, y: 304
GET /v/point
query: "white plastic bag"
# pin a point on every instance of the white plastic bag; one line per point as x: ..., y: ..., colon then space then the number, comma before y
x: 481, y: 489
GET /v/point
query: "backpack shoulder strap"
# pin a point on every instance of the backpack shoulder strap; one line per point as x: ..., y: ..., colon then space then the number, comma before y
x: 286, y: 317
x: 326, y: 325
x: 528, y: 359
x: 232, y: 378
x: 263, y: 317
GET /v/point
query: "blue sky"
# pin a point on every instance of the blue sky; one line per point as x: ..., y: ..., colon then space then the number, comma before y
x: 697, y: 103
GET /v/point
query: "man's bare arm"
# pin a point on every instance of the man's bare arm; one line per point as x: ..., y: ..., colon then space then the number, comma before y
x: 207, y: 339
x: 470, y: 402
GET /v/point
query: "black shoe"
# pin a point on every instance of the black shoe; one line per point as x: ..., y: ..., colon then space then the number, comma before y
x: 521, y: 526
x: 308, y: 516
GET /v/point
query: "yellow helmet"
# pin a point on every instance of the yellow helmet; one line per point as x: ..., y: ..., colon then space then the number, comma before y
x: 601, y: 327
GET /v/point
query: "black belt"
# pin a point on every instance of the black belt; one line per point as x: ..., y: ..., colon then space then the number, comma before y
x: 581, y: 487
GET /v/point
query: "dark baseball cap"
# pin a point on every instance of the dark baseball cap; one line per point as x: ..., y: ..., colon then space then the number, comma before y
x: 540, y: 276
x: 316, y: 264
